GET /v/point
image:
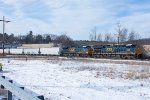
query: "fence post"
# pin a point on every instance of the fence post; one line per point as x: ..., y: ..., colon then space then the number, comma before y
x: 9, y: 95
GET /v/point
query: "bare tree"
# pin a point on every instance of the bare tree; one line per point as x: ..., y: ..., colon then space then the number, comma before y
x: 121, y: 33
x: 131, y: 35
x: 99, y: 37
x: 93, y: 35
x: 137, y: 36
x: 107, y: 37
x: 64, y: 40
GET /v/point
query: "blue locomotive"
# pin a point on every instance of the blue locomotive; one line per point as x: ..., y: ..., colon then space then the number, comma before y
x: 74, y: 51
x: 129, y: 51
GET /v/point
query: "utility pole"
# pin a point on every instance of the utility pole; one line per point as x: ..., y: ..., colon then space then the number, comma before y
x: 4, y: 21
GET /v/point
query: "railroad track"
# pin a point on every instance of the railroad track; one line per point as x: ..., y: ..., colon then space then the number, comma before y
x: 50, y: 56
x: 28, y: 56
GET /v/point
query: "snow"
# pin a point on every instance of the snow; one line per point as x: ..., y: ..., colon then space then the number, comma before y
x: 82, y: 79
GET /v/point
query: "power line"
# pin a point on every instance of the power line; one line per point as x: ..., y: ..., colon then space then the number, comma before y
x: 4, y: 21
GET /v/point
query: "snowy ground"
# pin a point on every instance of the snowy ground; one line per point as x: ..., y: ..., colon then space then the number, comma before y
x: 82, y: 79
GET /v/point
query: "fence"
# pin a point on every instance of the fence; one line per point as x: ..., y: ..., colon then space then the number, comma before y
x: 8, y: 87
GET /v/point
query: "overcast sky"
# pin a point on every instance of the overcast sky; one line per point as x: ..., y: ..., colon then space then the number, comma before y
x: 76, y: 17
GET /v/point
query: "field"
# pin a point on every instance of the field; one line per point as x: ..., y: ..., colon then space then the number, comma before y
x: 82, y: 79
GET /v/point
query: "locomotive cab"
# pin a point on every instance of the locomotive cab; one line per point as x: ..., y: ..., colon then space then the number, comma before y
x: 89, y: 50
x: 136, y: 50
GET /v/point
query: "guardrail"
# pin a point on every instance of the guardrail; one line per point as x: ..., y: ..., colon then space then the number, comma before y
x: 17, y: 90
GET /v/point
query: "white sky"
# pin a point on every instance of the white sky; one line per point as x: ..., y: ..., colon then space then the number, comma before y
x: 76, y: 17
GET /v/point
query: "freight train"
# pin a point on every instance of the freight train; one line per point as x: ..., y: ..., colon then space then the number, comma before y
x: 129, y: 51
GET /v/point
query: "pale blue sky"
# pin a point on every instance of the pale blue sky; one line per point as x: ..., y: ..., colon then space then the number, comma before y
x: 76, y: 17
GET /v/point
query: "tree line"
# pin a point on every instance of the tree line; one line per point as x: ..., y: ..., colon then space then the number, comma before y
x: 122, y: 34
x: 30, y: 38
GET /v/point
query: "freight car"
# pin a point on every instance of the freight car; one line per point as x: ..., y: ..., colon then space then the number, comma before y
x: 129, y: 51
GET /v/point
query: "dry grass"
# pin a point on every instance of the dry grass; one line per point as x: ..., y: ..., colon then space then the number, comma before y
x: 131, y: 69
x: 128, y: 74
x: 137, y: 75
x: 115, y: 61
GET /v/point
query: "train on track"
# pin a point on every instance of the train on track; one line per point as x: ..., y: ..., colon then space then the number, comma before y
x: 129, y: 51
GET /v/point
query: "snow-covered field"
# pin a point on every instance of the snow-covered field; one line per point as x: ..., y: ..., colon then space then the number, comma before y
x: 82, y: 79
